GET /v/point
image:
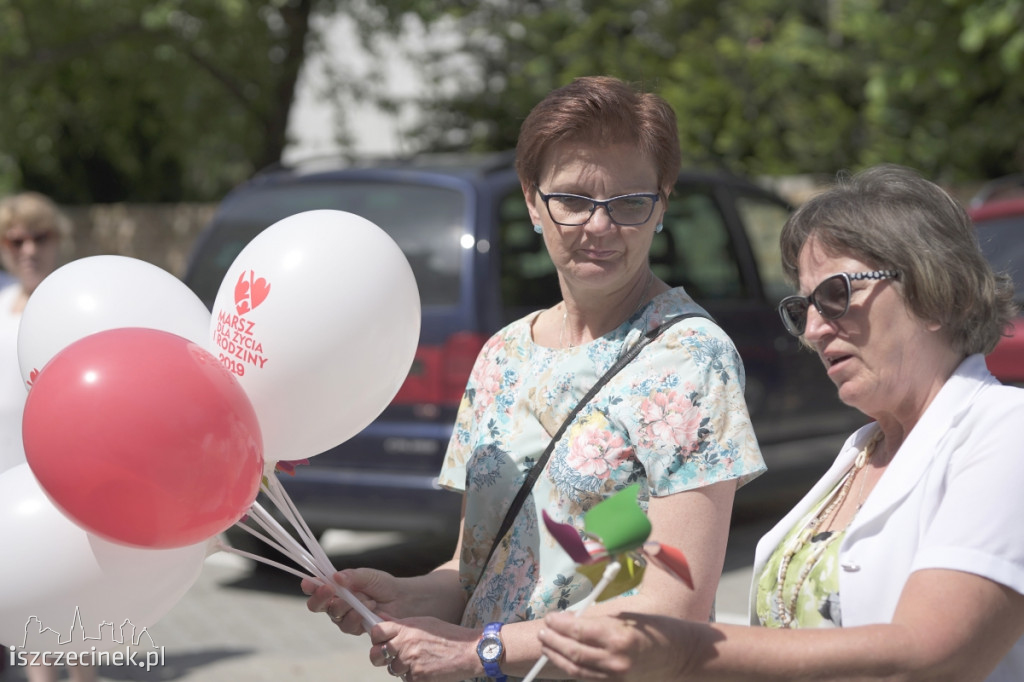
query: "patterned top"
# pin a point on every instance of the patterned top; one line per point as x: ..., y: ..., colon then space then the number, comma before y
x: 817, y: 604
x: 673, y: 419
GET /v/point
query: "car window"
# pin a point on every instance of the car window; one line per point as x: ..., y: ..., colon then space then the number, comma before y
x: 695, y: 249
x: 528, y: 278
x: 764, y: 220
x: 426, y: 222
x: 1002, y: 242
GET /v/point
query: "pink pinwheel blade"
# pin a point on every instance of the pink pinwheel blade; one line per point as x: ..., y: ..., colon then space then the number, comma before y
x: 670, y: 559
x: 288, y: 467
x: 569, y: 538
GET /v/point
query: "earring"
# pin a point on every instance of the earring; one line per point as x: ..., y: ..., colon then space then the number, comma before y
x: 658, y: 228
x: 538, y: 229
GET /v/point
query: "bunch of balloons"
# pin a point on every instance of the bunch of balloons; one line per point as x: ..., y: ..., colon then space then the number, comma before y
x: 150, y: 422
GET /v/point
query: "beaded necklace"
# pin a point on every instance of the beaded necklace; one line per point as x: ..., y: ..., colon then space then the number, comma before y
x: 787, y: 608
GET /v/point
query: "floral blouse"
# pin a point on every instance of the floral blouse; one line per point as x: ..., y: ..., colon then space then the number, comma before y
x: 673, y: 419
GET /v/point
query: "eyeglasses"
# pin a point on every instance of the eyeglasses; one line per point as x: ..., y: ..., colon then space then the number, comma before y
x: 831, y: 299
x: 573, y: 210
x: 39, y: 239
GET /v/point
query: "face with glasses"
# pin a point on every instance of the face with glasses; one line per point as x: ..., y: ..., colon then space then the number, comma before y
x: 831, y: 298
x: 880, y: 355
x: 598, y: 207
x: 573, y: 210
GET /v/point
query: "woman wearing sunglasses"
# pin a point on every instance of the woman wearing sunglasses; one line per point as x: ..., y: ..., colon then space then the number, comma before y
x: 906, y: 561
x: 31, y: 229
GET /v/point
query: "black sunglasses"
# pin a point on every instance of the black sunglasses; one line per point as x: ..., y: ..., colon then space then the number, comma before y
x: 39, y: 239
x: 831, y: 299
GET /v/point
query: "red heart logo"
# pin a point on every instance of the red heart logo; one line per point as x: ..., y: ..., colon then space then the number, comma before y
x: 260, y: 290
x: 242, y: 295
x: 250, y: 292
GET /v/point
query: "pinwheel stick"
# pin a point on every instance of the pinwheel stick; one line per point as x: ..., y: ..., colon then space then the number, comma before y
x: 610, y: 571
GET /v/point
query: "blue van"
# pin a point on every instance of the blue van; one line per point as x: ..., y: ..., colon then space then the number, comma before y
x: 462, y: 223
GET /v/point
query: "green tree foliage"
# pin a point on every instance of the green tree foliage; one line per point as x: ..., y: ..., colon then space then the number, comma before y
x: 946, y: 88
x: 164, y: 100
x: 108, y: 100
x: 761, y: 86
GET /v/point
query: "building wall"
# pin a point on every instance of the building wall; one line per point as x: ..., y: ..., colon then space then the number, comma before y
x: 161, y: 234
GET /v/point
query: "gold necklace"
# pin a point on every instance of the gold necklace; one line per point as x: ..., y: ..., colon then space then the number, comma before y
x: 640, y: 304
x: 787, y: 608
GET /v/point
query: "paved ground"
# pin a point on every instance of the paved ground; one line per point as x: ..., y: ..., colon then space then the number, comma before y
x: 239, y: 624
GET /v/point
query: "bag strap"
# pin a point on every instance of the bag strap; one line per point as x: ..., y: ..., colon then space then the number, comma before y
x: 534, y: 473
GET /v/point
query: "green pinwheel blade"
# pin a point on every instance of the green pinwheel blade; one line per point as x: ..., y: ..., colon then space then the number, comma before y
x: 618, y: 521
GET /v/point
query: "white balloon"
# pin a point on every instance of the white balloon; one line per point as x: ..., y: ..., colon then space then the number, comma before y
x: 53, y: 573
x: 97, y: 293
x: 319, y: 318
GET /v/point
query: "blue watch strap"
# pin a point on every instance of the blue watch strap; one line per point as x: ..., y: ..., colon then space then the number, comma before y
x: 492, y: 667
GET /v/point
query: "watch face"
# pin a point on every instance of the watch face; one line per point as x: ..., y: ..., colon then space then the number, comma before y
x: 490, y: 650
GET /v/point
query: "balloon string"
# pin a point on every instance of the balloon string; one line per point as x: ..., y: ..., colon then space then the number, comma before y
x: 286, y: 540
x: 610, y: 571
x: 283, y: 501
x: 302, y: 556
x: 265, y: 539
x: 271, y: 525
x: 224, y: 547
x: 284, y: 504
x: 308, y: 554
x: 282, y: 540
x: 274, y: 491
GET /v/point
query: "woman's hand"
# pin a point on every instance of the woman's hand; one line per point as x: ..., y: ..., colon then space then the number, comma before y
x: 625, y: 647
x: 380, y: 592
x: 426, y: 649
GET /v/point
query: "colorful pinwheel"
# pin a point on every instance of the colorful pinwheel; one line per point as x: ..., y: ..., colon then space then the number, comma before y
x: 616, y: 530
x: 614, y: 551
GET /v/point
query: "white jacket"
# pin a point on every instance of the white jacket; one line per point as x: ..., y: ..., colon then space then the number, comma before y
x: 952, y: 498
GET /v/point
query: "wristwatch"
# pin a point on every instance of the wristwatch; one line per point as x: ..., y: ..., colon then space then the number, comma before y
x: 490, y: 650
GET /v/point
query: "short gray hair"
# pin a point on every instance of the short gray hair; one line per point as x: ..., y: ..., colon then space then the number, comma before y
x: 892, y: 218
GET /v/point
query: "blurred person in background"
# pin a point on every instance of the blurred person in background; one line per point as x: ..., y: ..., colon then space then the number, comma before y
x: 906, y: 560
x: 597, y: 161
x: 33, y: 231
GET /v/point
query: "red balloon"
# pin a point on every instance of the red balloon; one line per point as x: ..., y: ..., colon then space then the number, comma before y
x: 142, y: 437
